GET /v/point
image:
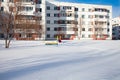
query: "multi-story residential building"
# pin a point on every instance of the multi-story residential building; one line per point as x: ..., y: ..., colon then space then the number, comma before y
x: 29, y: 18
x: 82, y: 21
x: 116, y: 28
x: 65, y: 20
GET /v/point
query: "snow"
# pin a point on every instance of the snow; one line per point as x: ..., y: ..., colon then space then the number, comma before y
x: 70, y: 60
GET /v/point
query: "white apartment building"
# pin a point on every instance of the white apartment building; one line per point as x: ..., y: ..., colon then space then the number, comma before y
x: 81, y: 21
x: 67, y: 20
x: 116, y: 28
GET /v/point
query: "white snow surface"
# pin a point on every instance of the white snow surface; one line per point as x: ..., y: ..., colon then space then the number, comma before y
x: 70, y: 60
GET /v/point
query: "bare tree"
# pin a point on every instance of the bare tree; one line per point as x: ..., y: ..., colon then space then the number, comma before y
x: 7, y: 20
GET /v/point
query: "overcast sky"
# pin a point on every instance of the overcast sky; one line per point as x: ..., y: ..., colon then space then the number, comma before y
x: 114, y: 3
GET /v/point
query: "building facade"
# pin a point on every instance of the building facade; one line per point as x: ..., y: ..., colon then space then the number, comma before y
x: 67, y: 20
x: 29, y: 17
x: 78, y: 21
x: 116, y: 28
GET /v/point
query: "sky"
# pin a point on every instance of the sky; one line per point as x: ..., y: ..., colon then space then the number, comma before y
x: 114, y: 3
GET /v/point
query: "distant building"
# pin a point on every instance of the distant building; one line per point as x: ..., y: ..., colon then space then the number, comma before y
x: 116, y: 28
x: 65, y: 20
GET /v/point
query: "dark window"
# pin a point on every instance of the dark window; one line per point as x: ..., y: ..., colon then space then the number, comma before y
x: 83, y: 29
x: 108, y: 29
x: 2, y: 9
x: 29, y: 35
x: 56, y: 8
x: 48, y: 29
x: 48, y: 7
x: 113, y: 33
x: 1, y: 35
x: 56, y: 15
x: 38, y: 1
x: 48, y: 21
x: 96, y: 16
x: 76, y: 9
x: 108, y: 23
x: 29, y: 8
x: 40, y: 9
x: 55, y: 29
x: 48, y: 14
x: 48, y: 35
x: 107, y: 17
x: 55, y: 22
x: 76, y: 16
x: 101, y: 16
x: 19, y: 35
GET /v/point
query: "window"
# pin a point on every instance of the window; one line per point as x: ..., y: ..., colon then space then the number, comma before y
x: 101, y: 16
x: 48, y: 14
x: 10, y: 0
x: 55, y: 29
x: 76, y: 9
x: 56, y: 8
x: 113, y: 33
x: 48, y: 21
x: 96, y: 16
x: 25, y: 0
x: 108, y: 23
x: 107, y: 17
x: 83, y: 36
x: 83, y: 9
x: 108, y: 29
x: 69, y: 14
x: 83, y: 29
x: 89, y: 36
x: 48, y: 29
x: 76, y: 16
x: 48, y: 35
x: 2, y: 0
x: 90, y: 29
x: 38, y: 9
x: 1, y: 35
x: 29, y: 8
x: 48, y: 7
x: 56, y: 15
x: 2, y: 9
x: 83, y: 16
x: 55, y: 22
x: 38, y: 1
x: 29, y: 35
x: 67, y: 7
x: 89, y: 10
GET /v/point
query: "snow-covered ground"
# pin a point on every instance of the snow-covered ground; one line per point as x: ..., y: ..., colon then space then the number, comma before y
x: 70, y: 60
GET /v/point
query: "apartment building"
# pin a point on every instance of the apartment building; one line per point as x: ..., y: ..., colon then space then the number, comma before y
x: 78, y: 21
x: 29, y: 16
x: 65, y: 20
x: 116, y: 28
